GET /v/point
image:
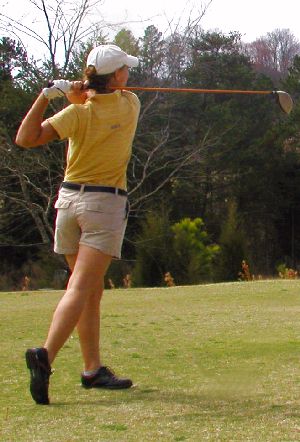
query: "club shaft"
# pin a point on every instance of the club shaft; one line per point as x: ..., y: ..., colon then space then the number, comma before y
x: 194, y: 91
x: 188, y: 90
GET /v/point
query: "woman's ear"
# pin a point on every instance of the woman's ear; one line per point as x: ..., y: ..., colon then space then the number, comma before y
x: 118, y: 75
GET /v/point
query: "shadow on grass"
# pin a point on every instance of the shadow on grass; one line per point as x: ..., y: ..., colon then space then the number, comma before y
x: 195, y: 404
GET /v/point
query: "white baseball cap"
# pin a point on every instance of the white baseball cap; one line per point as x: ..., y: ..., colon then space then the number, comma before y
x: 108, y: 58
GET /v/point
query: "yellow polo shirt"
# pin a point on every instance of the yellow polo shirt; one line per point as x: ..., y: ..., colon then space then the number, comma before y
x: 100, y: 134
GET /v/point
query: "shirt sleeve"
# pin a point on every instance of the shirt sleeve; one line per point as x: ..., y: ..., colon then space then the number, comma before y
x: 133, y: 99
x: 65, y: 122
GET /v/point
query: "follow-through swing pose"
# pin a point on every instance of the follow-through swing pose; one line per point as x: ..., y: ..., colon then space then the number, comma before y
x: 92, y: 205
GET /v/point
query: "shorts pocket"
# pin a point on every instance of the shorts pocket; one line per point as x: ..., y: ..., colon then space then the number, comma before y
x: 94, y: 207
x: 62, y: 204
x: 99, y: 217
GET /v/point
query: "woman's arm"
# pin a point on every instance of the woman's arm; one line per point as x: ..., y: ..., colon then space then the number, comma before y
x: 77, y: 93
x: 33, y: 130
x: 36, y: 132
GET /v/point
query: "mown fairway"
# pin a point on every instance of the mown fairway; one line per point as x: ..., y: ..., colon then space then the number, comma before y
x: 217, y: 362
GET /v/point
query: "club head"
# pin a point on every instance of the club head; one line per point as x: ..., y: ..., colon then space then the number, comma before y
x: 285, y: 101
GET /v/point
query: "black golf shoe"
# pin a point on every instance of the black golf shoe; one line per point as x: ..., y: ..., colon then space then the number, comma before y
x: 40, y: 371
x: 105, y: 378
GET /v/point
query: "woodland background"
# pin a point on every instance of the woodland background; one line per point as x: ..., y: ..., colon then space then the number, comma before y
x: 214, y: 180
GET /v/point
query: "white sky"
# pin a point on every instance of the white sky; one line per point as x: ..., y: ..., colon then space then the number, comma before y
x: 252, y: 18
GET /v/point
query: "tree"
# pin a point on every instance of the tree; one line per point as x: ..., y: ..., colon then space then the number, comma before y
x: 27, y: 183
x: 161, y: 148
x: 126, y: 40
x: 30, y: 179
x: 25, y: 205
x: 273, y: 54
x: 232, y: 244
x: 65, y: 26
x: 193, y: 252
x: 153, y: 249
x: 244, y: 159
x: 192, y: 153
x: 152, y: 53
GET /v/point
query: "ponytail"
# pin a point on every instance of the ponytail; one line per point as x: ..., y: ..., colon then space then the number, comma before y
x: 97, y: 82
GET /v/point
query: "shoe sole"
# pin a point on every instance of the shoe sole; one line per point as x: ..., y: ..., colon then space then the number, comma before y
x: 32, y: 365
x: 106, y: 387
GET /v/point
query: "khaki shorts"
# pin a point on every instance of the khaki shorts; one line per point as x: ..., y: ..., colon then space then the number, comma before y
x: 95, y: 219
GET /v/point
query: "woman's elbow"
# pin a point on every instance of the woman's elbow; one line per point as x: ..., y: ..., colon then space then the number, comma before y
x: 25, y: 141
x: 35, y: 138
x: 22, y: 142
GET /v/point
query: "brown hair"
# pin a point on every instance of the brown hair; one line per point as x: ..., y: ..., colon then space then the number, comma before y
x: 95, y: 81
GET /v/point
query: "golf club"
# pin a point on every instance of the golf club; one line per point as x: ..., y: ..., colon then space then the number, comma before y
x: 283, y: 98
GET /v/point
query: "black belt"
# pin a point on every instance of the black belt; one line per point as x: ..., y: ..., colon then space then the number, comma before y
x: 87, y: 188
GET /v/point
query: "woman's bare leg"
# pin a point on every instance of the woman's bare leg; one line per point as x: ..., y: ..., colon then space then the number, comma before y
x: 88, y: 326
x: 84, y: 288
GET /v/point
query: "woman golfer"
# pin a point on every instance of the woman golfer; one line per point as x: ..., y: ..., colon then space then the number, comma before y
x: 91, y: 207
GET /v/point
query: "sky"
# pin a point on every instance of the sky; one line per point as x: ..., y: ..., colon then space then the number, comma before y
x: 252, y: 18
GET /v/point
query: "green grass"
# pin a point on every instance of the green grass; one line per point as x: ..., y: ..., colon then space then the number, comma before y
x: 211, y: 363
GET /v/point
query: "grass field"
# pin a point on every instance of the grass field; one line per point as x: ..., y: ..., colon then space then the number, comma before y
x: 211, y: 363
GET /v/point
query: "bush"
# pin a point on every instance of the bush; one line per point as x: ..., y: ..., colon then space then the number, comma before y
x: 286, y: 273
x: 232, y: 247
x: 194, y: 253
x: 47, y: 270
x: 116, y: 274
x: 153, y: 250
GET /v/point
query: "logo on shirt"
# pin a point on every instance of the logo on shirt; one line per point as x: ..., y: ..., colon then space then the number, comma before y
x: 115, y: 126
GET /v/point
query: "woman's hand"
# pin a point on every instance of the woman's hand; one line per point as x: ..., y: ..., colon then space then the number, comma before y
x: 77, y: 94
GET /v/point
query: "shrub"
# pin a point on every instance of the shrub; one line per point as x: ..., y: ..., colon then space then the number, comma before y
x: 245, y: 274
x: 232, y: 247
x: 153, y: 250
x: 117, y: 272
x: 286, y: 273
x: 193, y: 252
